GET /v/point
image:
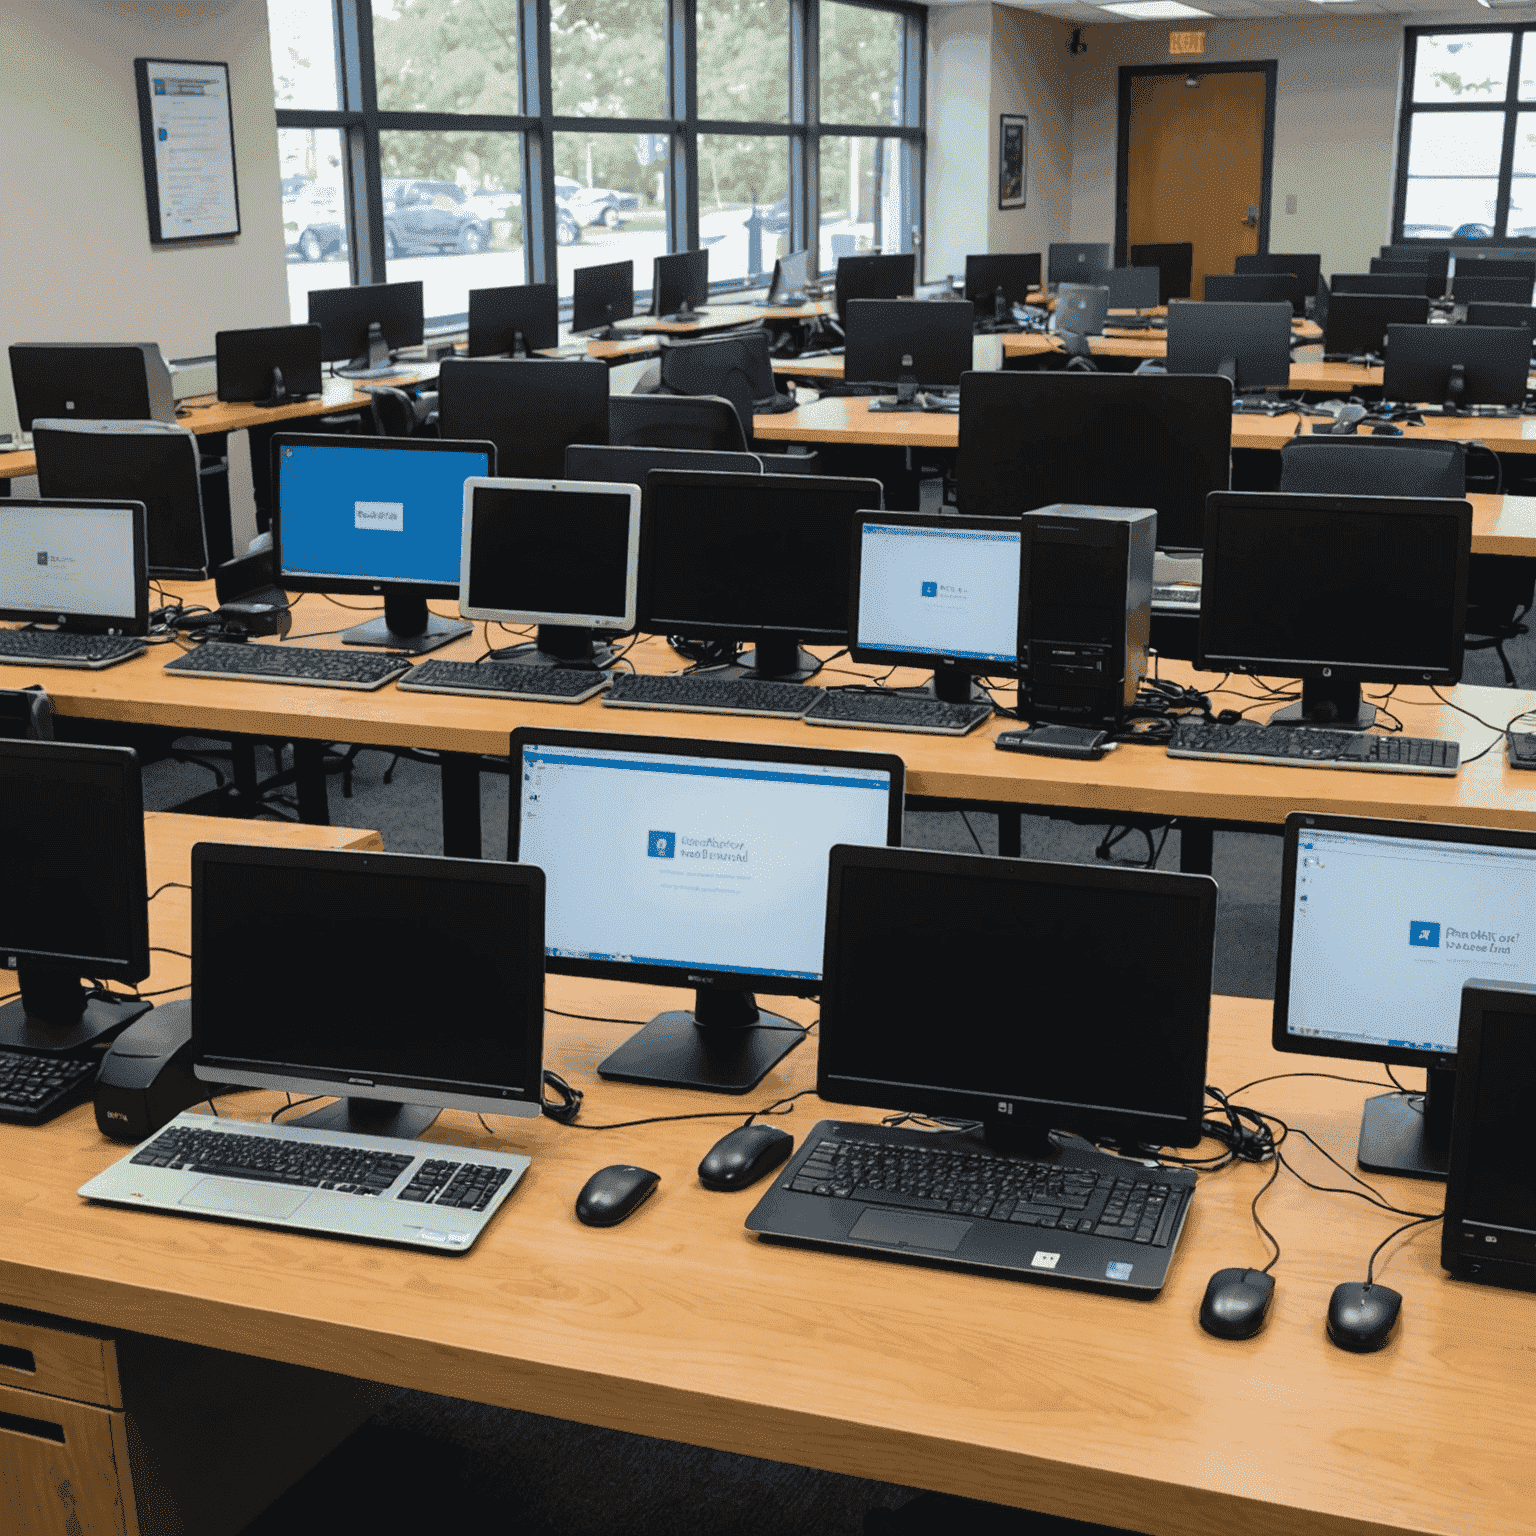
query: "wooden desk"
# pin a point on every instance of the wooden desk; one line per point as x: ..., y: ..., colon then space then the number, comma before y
x: 721, y: 316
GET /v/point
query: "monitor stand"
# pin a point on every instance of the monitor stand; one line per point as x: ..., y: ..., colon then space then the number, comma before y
x: 376, y: 362
x: 779, y: 661
x: 370, y: 1117
x: 407, y: 626
x: 685, y: 313
x: 54, y: 1013
x: 954, y: 687
x: 1410, y: 1133
x: 559, y: 645
x: 725, y: 1045
x: 277, y: 392
x: 1333, y: 702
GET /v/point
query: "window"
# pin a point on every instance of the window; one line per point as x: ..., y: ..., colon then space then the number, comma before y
x: 1466, y: 152
x: 439, y: 140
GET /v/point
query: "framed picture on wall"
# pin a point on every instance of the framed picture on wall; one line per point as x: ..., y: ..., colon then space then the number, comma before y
x: 1012, y: 160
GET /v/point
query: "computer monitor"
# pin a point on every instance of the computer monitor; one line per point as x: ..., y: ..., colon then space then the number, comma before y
x: 78, y: 564
x: 1081, y: 309
x: 600, y: 296
x: 152, y: 462
x: 680, y: 285
x: 369, y: 323
x: 940, y: 592
x: 375, y: 515
x: 562, y: 554
x: 1381, y: 283
x: 1031, y: 440
x: 1436, y: 262
x: 1356, y: 323
x: 1173, y: 260
x: 99, y: 381
x: 751, y: 558
x: 1247, y: 344
x: 789, y: 278
x: 1469, y: 264
x: 1475, y: 288
x: 632, y: 466
x: 1336, y: 591
x: 1257, y: 288
x: 1457, y: 365
x: 873, y: 277
x: 269, y: 365
x: 1503, y: 315
x: 299, y: 983
x: 513, y: 321
x: 699, y: 864
x: 994, y: 283
x: 1133, y: 287
x: 1065, y: 1036
x: 1077, y: 262
x: 1381, y: 922
x: 893, y: 341
x: 74, y: 900
x: 1414, y: 276
x: 529, y: 407
x: 1307, y: 267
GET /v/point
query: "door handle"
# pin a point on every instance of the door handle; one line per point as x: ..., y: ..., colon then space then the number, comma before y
x: 1252, y: 220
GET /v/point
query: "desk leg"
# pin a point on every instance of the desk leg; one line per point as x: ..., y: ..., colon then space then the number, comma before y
x: 309, y: 780
x: 244, y: 793
x: 1196, y: 843
x: 1010, y: 833
x: 461, y: 805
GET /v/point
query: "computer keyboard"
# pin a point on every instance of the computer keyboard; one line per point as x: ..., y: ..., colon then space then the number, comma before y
x: 59, y: 648
x: 691, y: 693
x: 366, y: 670
x: 1180, y: 596
x: 893, y: 711
x: 36, y: 1088
x: 1313, y: 747
x: 505, y: 680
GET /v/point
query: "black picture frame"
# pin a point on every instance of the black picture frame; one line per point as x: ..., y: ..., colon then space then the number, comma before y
x: 1012, y: 160
x: 148, y: 87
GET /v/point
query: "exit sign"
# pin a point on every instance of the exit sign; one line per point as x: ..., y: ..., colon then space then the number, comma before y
x: 1186, y: 42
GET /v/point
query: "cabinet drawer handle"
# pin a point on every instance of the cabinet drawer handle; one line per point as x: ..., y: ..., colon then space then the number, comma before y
x: 18, y: 1359
x: 39, y: 1429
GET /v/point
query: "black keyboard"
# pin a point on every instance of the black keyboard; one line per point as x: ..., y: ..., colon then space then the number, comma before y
x: 693, y: 694
x: 36, y: 1088
x: 291, y: 664
x: 60, y: 648
x: 1312, y: 747
x: 506, y: 680
x: 1135, y: 1206
x: 895, y: 711
x: 1522, y: 749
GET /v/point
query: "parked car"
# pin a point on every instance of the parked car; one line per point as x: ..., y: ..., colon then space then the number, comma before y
x: 314, y: 225
x: 595, y: 205
x: 496, y: 203
x: 424, y: 217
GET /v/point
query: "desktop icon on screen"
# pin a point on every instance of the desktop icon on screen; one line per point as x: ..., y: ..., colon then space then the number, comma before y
x: 662, y: 845
x: 930, y: 589
x: 1425, y: 934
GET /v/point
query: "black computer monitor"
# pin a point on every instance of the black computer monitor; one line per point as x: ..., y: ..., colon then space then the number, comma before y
x: 1436, y: 261
x: 1257, y: 288
x: 1356, y: 323
x: 873, y: 277
x: 680, y: 285
x: 789, y: 278
x: 300, y: 982
x: 562, y: 554
x: 1457, y: 365
x: 1078, y: 262
x: 1065, y: 1036
x: 1336, y: 591
x: 892, y: 341
x: 602, y: 295
x: 940, y: 592
x: 73, y: 902
x: 98, y: 381
x: 367, y: 324
x: 270, y: 365
x: 1413, y: 276
x: 1306, y: 267
x: 79, y: 565
x: 1081, y: 308
x: 513, y: 321
x: 1173, y: 260
x: 1134, y: 287
x: 375, y: 515
x: 699, y: 864
x: 752, y: 558
x: 1476, y: 288
x: 994, y: 283
x: 632, y: 466
x: 1247, y: 344
x: 1381, y: 922
x: 1380, y: 283
x: 1503, y: 315
x: 1468, y: 264
x: 1032, y: 440
x: 146, y: 461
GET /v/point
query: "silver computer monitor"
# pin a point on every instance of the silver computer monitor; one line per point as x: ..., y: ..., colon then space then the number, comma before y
x: 78, y: 564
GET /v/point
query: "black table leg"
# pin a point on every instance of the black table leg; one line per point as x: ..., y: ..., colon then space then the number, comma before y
x: 1196, y: 842
x: 309, y: 780
x: 243, y: 793
x: 1010, y: 833
x: 461, y: 805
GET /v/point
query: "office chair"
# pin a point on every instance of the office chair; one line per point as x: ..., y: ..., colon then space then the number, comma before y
x: 674, y: 421
x: 530, y: 407
x: 737, y: 367
x: 394, y: 412
x: 26, y: 714
x: 1175, y: 264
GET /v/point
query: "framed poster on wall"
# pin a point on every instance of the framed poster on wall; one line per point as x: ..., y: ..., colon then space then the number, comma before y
x: 1012, y: 160
x: 187, y: 132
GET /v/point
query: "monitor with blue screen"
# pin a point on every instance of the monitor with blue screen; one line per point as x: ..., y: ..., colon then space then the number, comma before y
x: 376, y: 515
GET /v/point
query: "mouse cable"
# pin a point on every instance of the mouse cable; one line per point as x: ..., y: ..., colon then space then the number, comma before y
x: 1367, y: 1192
x: 783, y: 1106
x: 180, y: 885
x: 1370, y: 1263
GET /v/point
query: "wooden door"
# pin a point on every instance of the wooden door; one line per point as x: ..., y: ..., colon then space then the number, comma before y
x: 1195, y: 165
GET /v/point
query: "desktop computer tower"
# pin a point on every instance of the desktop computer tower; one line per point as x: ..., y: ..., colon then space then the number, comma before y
x: 1085, y: 612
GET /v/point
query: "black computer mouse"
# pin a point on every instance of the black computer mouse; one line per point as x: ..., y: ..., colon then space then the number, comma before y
x: 1361, y: 1316
x: 1386, y: 429
x: 743, y: 1156
x: 1236, y: 1303
x: 613, y: 1193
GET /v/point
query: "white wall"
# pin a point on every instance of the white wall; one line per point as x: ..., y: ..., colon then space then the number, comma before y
x: 959, y: 105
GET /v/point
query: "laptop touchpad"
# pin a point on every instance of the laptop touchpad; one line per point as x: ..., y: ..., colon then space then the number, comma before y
x: 900, y: 1230
x: 241, y: 1199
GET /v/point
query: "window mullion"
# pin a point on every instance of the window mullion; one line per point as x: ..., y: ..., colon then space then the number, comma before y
x: 364, y: 165
x: 540, y: 215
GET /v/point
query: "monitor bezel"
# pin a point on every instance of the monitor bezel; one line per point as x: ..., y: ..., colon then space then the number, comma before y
x: 519, y: 1099
x: 726, y: 751
x: 544, y: 295
x: 620, y: 621
x: 417, y: 316
x: 1292, y: 667
x: 594, y: 277
x: 1409, y: 831
x: 1126, y: 1127
x: 292, y: 581
x: 135, y: 624
x: 971, y: 666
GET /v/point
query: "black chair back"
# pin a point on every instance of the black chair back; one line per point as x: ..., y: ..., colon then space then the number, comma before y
x: 1373, y: 466
x: 26, y: 714
x: 675, y: 421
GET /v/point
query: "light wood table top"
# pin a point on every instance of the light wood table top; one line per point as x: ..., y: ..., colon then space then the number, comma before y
x: 720, y: 315
x: 1504, y: 525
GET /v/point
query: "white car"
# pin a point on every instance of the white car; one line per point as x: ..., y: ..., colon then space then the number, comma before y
x: 595, y: 205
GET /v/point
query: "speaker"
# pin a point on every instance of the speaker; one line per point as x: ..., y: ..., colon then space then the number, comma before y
x: 1085, y: 612
x: 146, y: 1079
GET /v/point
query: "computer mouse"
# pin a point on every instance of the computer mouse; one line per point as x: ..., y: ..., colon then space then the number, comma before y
x: 1236, y: 1303
x: 743, y: 1156
x: 1361, y: 1316
x: 614, y: 1193
x: 1386, y: 429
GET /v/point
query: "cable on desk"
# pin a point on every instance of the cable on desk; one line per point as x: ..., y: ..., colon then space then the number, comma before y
x: 1418, y: 1221
x: 781, y: 1106
x: 180, y: 885
x: 596, y: 1018
x: 160, y: 949
x: 294, y: 1103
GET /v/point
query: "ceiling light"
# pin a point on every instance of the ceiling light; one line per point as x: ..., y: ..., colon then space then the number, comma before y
x: 1153, y: 10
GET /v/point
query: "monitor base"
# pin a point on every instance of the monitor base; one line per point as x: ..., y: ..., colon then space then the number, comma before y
x: 439, y: 631
x: 1294, y: 714
x: 99, y: 1023
x: 529, y: 655
x: 370, y: 1117
x: 1397, y: 1136
x: 779, y: 669
x: 683, y: 316
x: 953, y: 688
x: 675, y: 1051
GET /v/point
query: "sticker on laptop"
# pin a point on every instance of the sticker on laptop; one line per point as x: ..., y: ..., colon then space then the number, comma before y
x: 1046, y: 1260
x: 428, y: 1235
x: 1118, y: 1269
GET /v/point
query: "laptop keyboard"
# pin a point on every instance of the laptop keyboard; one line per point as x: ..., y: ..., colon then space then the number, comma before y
x: 272, y: 1160
x: 59, y: 648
